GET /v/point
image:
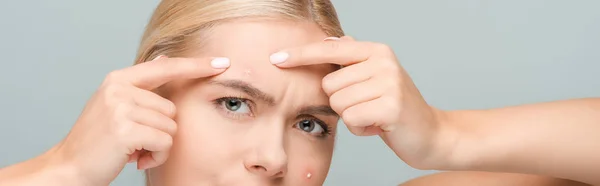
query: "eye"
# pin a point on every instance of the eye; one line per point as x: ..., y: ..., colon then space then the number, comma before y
x: 235, y: 106
x: 313, y: 127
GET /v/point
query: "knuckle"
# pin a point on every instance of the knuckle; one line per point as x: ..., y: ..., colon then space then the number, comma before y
x: 383, y: 48
x: 122, y: 112
x: 388, y: 65
x: 388, y: 83
x: 113, y: 76
x: 327, y: 85
x: 123, y: 129
x: 111, y: 91
x: 171, y: 127
x: 391, y: 105
x: 334, y: 102
x: 166, y: 142
x: 170, y: 107
x: 349, y: 117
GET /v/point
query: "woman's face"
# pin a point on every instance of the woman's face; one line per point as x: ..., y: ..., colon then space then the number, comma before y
x: 254, y: 124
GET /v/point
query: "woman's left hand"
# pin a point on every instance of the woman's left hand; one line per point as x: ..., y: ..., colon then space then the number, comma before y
x: 374, y: 96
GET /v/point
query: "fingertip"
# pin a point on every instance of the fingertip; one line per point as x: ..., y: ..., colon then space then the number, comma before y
x: 279, y: 58
x: 332, y: 39
x: 372, y: 131
x: 220, y: 63
x: 159, y: 57
x: 355, y: 130
x: 365, y: 131
x: 135, y: 156
x: 147, y: 161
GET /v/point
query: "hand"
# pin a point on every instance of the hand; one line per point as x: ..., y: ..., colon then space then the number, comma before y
x: 373, y: 94
x: 125, y: 121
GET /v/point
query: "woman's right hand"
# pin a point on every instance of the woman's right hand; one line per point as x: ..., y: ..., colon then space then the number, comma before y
x: 126, y: 122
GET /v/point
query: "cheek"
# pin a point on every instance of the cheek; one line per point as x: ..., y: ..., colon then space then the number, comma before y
x: 309, y: 160
x: 205, y: 142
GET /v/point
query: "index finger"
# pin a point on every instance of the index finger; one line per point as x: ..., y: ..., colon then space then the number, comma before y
x: 152, y: 74
x: 343, y: 53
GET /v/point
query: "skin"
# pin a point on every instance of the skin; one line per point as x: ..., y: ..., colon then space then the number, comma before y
x: 262, y: 145
x: 373, y: 94
x: 121, y: 118
x: 125, y: 121
x: 488, y: 179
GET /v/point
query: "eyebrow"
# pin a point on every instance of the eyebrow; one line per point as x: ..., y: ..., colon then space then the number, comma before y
x: 246, y: 88
x: 318, y: 110
x: 256, y: 93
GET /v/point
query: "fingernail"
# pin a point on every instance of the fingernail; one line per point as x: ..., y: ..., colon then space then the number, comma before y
x: 220, y: 63
x: 158, y: 57
x: 332, y: 39
x: 279, y: 57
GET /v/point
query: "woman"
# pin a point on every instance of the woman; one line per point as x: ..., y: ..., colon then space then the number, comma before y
x: 225, y: 114
x: 249, y: 92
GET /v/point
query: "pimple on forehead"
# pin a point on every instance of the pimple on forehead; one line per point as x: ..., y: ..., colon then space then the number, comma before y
x: 247, y: 72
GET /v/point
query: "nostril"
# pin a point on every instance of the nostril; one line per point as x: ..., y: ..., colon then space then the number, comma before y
x: 279, y: 174
x: 259, y: 168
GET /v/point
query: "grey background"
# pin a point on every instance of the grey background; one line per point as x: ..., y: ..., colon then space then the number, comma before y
x: 463, y: 54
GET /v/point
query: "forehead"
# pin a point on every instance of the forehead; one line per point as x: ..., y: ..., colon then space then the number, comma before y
x: 263, y: 36
x: 248, y: 43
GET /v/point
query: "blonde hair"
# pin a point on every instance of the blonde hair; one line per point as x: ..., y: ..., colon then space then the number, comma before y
x: 177, y: 25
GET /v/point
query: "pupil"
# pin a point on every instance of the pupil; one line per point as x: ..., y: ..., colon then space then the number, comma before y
x: 233, y: 105
x: 307, y: 125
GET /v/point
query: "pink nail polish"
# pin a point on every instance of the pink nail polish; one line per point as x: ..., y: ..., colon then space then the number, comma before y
x: 279, y: 57
x: 332, y: 39
x: 220, y: 63
x: 158, y: 57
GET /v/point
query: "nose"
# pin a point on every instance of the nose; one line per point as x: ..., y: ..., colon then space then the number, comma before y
x: 268, y: 157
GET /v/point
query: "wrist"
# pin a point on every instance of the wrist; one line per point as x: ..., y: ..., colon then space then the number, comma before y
x: 461, y: 140
x: 58, y: 169
x: 38, y: 171
x: 61, y: 175
x: 443, y: 141
x: 437, y: 142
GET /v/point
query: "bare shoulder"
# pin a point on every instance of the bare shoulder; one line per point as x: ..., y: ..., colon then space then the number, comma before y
x: 487, y: 179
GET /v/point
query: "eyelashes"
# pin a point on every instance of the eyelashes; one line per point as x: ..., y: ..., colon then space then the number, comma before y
x: 313, y: 126
x: 236, y: 107
x: 239, y: 108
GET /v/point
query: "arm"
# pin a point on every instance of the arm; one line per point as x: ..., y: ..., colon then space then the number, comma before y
x: 36, y: 171
x: 487, y: 179
x: 558, y: 139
